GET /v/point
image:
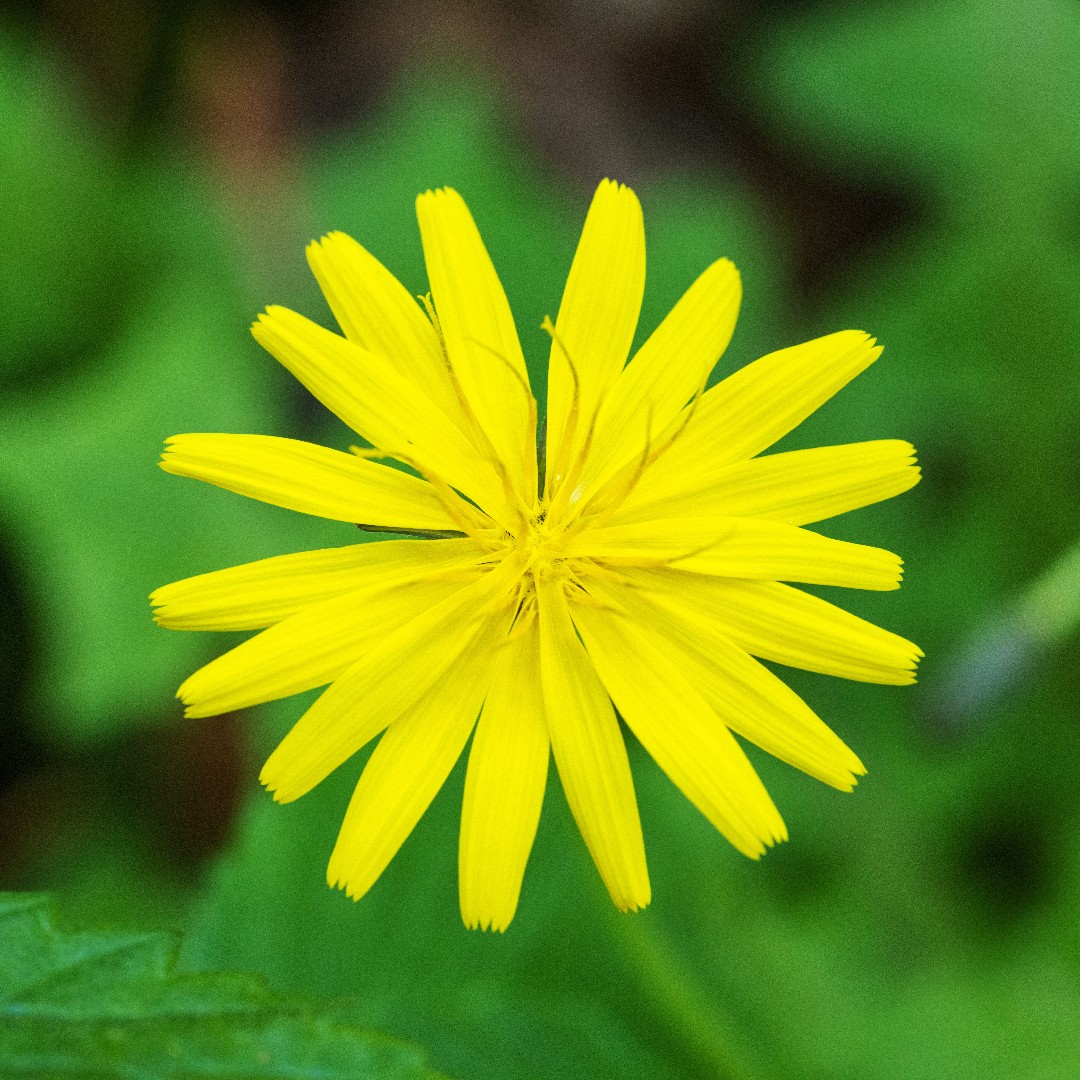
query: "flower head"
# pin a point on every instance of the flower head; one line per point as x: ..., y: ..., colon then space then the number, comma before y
x: 637, y: 562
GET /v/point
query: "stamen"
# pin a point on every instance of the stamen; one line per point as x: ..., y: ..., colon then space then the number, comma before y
x: 480, y: 436
x: 569, y: 480
x: 642, y: 563
x: 629, y: 482
x: 541, y: 459
x: 526, y: 616
x: 526, y: 389
x: 452, y: 504
x: 573, y: 414
x: 574, y: 590
x: 607, y: 573
x: 509, y: 567
x: 614, y: 492
x: 420, y: 534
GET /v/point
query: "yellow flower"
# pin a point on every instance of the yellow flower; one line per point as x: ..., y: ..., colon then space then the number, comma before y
x: 637, y: 567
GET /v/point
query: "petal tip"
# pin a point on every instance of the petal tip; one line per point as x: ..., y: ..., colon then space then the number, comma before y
x: 271, y: 780
x: 342, y: 884
x: 631, y: 903
x: 438, y: 194
x: 490, y: 924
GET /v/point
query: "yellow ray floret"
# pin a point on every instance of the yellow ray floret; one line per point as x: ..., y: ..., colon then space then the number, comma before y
x: 504, y: 786
x: 642, y: 568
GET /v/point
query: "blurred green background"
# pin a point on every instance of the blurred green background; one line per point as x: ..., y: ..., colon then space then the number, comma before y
x: 908, y: 168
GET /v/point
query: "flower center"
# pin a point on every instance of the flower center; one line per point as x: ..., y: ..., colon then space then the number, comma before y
x: 539, y: 545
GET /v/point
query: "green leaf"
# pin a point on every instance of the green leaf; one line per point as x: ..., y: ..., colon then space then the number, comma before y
x: 975, y: 304
x: 92, y: 1006
x: 70, y: 252
x: 976, y: 97
x: 94, y: 525
x: 555, y: 996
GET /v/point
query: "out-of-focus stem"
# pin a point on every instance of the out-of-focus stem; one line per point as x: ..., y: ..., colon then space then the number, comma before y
x: 1051, y: 608
x: 704, y: 1034
x: 1006, y: 651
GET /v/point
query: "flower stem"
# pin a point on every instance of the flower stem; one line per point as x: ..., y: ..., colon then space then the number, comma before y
x: 706, y: 1037
x: 1007, y: 650
x: 1051, y: 607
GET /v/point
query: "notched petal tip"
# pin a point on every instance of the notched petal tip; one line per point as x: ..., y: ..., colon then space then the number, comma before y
x: 338, y: 881
x: 861, y: 337
x: 438, y: 194
x: 488, y: 924
x: 766, y: 844
x: 337, y: 877
x: 860, y: 340
x: 844, y: 774
x: 185, y: 696
x: 770, y: 830
x: 609, y: 187
x: 271, y: 780
x: 316, y: 248
x: 320, y: 250
x: 174, y: 449
x: 723, y: 274
x: 168, y: 449
x: 276, y: 312
x: 634, y: 896
x: 892, y: 575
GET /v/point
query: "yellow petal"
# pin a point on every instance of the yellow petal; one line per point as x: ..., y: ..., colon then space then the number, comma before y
x: 310, y: 648
x: 410, y: 765
x: 744, y: 695
x: 365, y: 391
x: 666, y: 372
x: 309, y: 478
x: 479, y: 331
x: 504, y: 787
x: 798, y: 488
x: 742, y: 548
x: 679, y: 729
x: 590, y: 755
x: 262, y: 593
x: 376, y: 311
x: 404, y: 664
x: 760, y: 403
x: 597, y: 318
x: 785, y: 625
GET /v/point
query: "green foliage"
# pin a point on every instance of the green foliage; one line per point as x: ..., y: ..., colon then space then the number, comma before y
x: 518, y: 1006
x: 94, y: 524
x: 94, y: 1005
x: 560, y: 994
x: 977, y: 104
x: 923, y: 926
x: 867, y: 925
x: 69, y: 250
x: 976, y: 97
